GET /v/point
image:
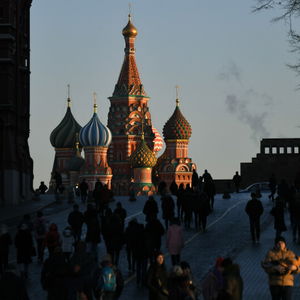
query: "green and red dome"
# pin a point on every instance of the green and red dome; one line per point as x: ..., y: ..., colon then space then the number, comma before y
x: 177, y: 127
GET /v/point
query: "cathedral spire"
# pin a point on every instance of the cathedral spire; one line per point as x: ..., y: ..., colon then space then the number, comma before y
x: 129, y: 82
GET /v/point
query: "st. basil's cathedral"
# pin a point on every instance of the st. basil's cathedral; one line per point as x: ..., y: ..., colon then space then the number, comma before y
x: 123, y: 154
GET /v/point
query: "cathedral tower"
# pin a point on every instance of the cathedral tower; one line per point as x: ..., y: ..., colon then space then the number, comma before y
x: 128, y: 107
x: 16, y: 165
x: 174, y: 164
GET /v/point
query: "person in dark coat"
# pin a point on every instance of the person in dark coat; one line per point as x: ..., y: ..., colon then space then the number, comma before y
x: 154, y: 231
x: 254, y: 210
x: 237, y: 179
x: 121, y: 212
x: 97, y: 195
x: 173, y: 188
x: 40, y: 230
x: 209, y: 189
x: 167, y: 206
x: 43, y: 188
x: 157, y: 279
x: 26, y: 220
x: 204, y: 211
x: 52, y: 238
x: 187, y: 206
x: 54, y: 272
x: 278, y: 213
x: 12, y: 287
x: 92, y: 238
x: 86, y: 263
x: 150, y: 209
x: 195, y: 179
x: 131, y: 233
x: 283, y: 191
x: 140, y: 254
x: 5, y: 242
x: 233, y: 283
x: 25, y: 248
x: 294, y: 208
x: 58, y: 181
x: 180, y: 199
x: 75, y: 220
x: 83, y: 187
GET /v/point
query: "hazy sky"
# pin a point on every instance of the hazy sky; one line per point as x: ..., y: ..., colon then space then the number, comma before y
x: 230, y: 65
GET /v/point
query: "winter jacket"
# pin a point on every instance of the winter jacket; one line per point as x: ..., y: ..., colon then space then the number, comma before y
x: 277, y: 257
x: 40, y: 228
x: 24, y: 245
x: 175, y: 240
x: 52, y: 239
x: 233, y: 283
x: 75, y: 219
x: 212, y: 285
x: 157, y: 282
x: 254, y: 208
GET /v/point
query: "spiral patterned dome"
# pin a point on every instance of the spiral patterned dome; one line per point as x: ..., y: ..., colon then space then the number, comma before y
x: 158, y: 141
x: 64, y: 135
x: 94, y: 133
x: 142, y: 157
x: 177, y: 127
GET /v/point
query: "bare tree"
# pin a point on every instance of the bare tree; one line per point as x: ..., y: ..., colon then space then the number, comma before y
x: 289, y: 11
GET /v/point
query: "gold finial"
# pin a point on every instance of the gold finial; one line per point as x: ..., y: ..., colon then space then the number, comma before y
x: 177, y: 96
x: 69, y: 99
x: 95, y: 102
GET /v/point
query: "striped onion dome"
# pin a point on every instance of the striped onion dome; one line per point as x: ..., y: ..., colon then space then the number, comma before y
x: 94, y: 133
x: 142, y: 157
x: 158, y: 141
x: 64, y: 135
x: 177, y: 127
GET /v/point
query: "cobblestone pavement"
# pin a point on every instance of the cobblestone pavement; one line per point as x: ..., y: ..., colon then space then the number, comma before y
x: 227, y: 235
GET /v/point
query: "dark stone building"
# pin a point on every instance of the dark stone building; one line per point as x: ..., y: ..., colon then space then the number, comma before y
x: 16, y: 165
x: 278, y: 156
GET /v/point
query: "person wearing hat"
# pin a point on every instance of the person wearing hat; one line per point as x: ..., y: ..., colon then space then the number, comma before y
x: 281, y: 264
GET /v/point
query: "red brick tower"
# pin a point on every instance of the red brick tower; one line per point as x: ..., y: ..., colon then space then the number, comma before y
x: 174, y: 163
x: 128, y: 107
x: 16, y: 166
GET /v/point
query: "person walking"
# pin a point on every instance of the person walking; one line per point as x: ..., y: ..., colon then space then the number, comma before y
x: 278, y: 213
x: 75, y: 220
x: 281, y: 265
x: 150, y: 209
x: 40, y: 230
x: 25, y: 249
x: 157, y: 279
x: 52, y: 239
x: 108, y: 280
x: 92, y: 238
x: 254, y: 210
x: 175, y: 241
x: 237, y: 179
x: 83, y: 187
x: 167, y: 206
x: 42, y: 188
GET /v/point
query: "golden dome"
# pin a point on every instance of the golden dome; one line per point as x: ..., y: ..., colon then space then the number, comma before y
x: 129, y: 30
x: 143, y: 157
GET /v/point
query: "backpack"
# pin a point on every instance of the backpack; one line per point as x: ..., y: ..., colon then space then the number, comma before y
x: 41, y: 228
x: 108, y: 280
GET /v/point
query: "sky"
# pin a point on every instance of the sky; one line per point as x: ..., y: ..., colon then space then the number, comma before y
x: 230, y: 64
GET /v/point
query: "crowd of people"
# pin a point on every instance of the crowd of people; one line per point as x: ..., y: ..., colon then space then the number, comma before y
x: 73, y: 269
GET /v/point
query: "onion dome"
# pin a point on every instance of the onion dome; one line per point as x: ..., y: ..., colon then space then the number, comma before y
x: 94, y: 133
x: 142, y: 157
x: 129, y: 30
x: 76, y: 162
x: 64, y: 135
x: 177, y: 127
x: 158, y: 141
